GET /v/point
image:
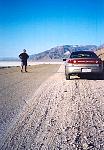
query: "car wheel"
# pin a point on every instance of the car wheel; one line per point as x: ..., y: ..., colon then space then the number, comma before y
x: 67, y: 77
x: 100, y: 76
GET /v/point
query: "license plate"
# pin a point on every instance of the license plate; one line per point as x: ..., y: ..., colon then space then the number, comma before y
x: 86, y: 70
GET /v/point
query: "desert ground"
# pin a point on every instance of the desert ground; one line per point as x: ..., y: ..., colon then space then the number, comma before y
x: 41, y: 110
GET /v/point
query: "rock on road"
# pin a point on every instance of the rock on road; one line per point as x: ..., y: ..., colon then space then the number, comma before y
x: 61, y: 115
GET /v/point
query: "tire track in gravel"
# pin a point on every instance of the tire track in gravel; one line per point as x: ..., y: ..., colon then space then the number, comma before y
x: 62, y: 115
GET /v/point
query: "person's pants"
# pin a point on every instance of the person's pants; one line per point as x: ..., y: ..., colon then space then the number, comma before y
x: 24, y: 63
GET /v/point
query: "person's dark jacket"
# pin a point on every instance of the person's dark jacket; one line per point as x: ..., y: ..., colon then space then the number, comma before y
x: 23, y: 57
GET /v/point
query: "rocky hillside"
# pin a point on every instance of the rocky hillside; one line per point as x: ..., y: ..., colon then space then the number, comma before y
x: 100, y: 53
x: 59, y: 52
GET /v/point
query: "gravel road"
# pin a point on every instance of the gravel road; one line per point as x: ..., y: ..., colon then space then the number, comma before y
x: 16, y: 89
x: 61, y: 115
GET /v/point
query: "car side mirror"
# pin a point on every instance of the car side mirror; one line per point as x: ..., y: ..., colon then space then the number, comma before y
x: 64, y: 59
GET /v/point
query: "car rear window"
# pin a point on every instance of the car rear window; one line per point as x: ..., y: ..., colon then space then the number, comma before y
x: 83, y: 55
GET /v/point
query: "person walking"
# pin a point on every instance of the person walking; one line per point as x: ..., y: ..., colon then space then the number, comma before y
x: 24, y: 56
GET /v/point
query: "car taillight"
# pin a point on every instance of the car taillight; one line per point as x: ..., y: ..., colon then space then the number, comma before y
x: 84, y: 61
x: 72, y: 61
x: 97, y: 62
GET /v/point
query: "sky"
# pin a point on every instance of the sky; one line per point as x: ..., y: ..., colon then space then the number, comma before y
x: 39, y: 25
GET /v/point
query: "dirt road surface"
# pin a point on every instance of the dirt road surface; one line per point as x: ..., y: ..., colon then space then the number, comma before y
x: 16, y: 89
x: 61, y: 115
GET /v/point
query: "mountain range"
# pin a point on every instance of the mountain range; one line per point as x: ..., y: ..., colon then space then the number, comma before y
x: 60, y: 52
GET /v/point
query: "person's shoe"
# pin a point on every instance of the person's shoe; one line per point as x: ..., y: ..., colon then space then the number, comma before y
x: 21, y: 71
x: 25, y: 70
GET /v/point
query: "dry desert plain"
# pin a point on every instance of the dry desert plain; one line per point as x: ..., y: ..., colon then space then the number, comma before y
x: 41, y: 110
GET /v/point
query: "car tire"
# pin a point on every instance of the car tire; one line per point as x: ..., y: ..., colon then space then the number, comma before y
x: 67, y: 77
x: 101, y: 76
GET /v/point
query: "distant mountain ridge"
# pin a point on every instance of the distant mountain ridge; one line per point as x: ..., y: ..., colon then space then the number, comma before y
x: 60, y: 52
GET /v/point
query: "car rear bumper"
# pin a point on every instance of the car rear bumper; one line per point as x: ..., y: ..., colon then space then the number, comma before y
x: 83, y: 70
